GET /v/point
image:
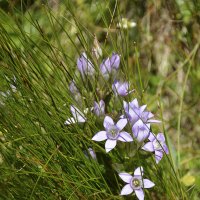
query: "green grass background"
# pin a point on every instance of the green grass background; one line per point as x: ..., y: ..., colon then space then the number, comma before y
x: 40, y: 158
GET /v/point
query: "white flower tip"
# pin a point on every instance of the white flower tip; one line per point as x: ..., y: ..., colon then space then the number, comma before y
x: 153, y: 184
x: 70, y: 121
x: 148, y: 183
x: 154, y: 121
x: 108, y: 150
x: 124, y: 103
x: 100, y: 136
x: 93, y: 138
x: 139, y: 171
x: 123, y: 192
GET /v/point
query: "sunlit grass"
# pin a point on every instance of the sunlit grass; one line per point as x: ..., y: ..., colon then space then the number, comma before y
x: 41, y: 158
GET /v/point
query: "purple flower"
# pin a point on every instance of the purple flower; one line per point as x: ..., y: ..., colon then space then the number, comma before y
x: 134, y: 112
x: 110, y: 65
x: 135, y: 183
x: 157, y: 144
x: 74, y: 90
x: 85, y: 66
x: 78, y: 116
x: 113, y: 133
x: 141, y: 130
x: 72, y: 87
x: 147, y: 117
x: 92, y: 153
x: 121, y: 88
x: 99, y: 108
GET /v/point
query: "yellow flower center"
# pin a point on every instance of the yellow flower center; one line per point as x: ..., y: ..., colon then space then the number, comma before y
x: 113, y: 132
x: 136, y: 182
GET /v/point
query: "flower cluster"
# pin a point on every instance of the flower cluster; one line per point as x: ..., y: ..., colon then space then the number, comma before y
x: 132, y: 124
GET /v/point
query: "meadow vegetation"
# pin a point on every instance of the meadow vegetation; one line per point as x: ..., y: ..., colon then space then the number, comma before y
x: 44, y: 157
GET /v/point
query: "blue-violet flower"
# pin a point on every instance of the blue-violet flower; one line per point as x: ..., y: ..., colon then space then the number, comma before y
x: 134, y: 112
x: 92, y: 153
x: 72, y: 87
x: 121, y: 88
x: 113, y: 133
x: 85, y: 66
x: 78, y: 116
x: 99, y: 108
x: 140, y: 130
x: 135, y: 183
x: 110, y: 65
x: 157, y: 144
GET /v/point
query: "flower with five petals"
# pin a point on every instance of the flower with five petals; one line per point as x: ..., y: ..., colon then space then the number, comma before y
x: 157, y: 144
x: 112, y: 133
x: 135, y: 183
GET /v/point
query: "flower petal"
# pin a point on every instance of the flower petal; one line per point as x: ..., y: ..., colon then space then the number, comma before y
x: 142, y: 108
x: 120, y: 88
x: 115, y: 61
x: 148, y: 147
x: 133, y: 114
x: 125, y: 137
x: 154, y: 121
x: 126, y: 190
x: 84, y: 65
x: 70, y: 121
x: 105, y: 66
x: 121, y: 124
x: 125, y: 177
x: 92, y: 153
x: 140, y: 194
x: 140, y: 130
x: 158, y: 156
x: 99, y: 108
x: 134, y: 103
x: 160, y: 137
x: 139, y: 123
x: 139, y: 171
x: 73, y: 89
x: 101, y: 104
x: 125, y: 105
x: 145, y: 116
x: 147, y: 183
x: 100, y: 136
x: 108, y: 121
x: 77, y: 114
x: 165, y: 148
x: 150, y: 115
x: 152, y: 137
x: 80, y: 118
x: 142, y: 136
x: 123, y: 89
x: 110, y: 144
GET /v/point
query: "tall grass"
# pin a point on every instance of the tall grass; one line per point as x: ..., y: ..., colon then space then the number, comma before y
x: 41, y: 158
